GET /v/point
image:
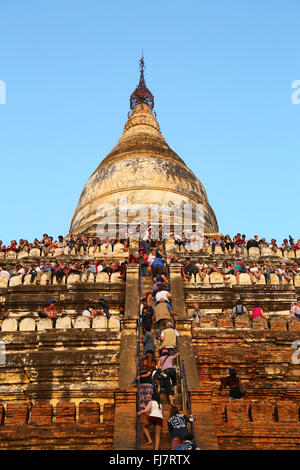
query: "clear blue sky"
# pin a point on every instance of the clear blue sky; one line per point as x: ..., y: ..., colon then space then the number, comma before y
x: 221, y: 72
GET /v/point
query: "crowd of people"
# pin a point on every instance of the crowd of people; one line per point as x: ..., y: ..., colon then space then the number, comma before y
x: 47, y: 245
x: 255, y: 270
x: 61, y: 271
x: 157, y: 374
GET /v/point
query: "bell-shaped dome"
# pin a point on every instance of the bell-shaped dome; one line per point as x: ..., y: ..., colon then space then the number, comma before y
x: 141, y: 169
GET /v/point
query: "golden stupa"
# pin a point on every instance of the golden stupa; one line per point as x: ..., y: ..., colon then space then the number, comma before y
x: 141, y: 170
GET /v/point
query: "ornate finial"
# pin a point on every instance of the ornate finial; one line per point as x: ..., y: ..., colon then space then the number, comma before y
x: 141, y: 94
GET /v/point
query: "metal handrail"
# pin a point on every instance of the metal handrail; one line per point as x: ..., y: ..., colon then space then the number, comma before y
x: 187, y: 393
x: 138, y: 358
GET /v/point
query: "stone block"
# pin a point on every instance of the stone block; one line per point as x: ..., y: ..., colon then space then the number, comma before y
x: 237, y: 413
x: 73, y: 278
x: 102, y: 277
x: 100, y: 322
x: 244, y: 279
x: 216, y: 278
x: 115, y: 277
x: 106, y: 248
x: 63, y: 323
x: 119, y: 248
x: 16, y: 413
x: 274, y: 279
x: 205, y: 280
x: 225, y: 321
x: 41, y: 414
x: 289, y: 254
x: 82, y: 322
x: 231, y: 279
x: 27, y: 324
x: 15, y: 281
x: 297, y: 253
x: 9, y: 324
x: 266, y: 251
x: 254, y: 252
x: 294, y: 324
x: 66, y: 250
x: 262, y: 411
x: 278, y: 323
x: 261, y: 280
x: 35, y: 252
x: 89, y: 413
x: 287, y: 412
x: 207, y: 321
x: 3, y: 282
x: 11, y: 255
x: 65, y: 413
x: 259, y: 323
x: 218, y: 250
x: 44, y: 324
x: 297, y: 280
x: 114, y: 323
x: 242, y: 321
x: 27, y: 280
x: 58, y: 252
x: 22, y: 254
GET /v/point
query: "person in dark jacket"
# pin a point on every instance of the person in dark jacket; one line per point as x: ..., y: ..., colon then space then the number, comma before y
x: 177, y: 425
x: 233, y: 382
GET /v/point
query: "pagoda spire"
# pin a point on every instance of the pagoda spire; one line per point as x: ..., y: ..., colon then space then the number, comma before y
x: 141, y: 94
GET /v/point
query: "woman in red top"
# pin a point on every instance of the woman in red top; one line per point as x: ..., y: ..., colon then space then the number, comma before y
x: 257, y: 312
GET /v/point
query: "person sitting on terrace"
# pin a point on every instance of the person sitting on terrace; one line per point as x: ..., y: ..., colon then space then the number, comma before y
x: 257, y: 312
x: 239, y: 309
x: 255, y: 272
x: 206, y: 243
x: 103, y: 306
x: 252, y: 243
x: 273, y: 246
x: 23, y: 246
x: 48, y: 246
x: 285, y: 247
x: 90, y: 270
x: 201, y: 268
x: 12, y: 247
x: 214, y: 268
x: 295, y: 269
x: 17, y: 271
x: 217, y: 240
x: 240, y: 268
x: 284, y: 273
x: 295, y: 310
x: 32, y: 271
x: 49, y: 312
x: 233, y: 382
x: 228, y: 243
x: 239, y: 244
x: 189, y: 269
x: 90, y: 312
x: 82, y: 242
x: 2, y: 247
x: 296, y: 246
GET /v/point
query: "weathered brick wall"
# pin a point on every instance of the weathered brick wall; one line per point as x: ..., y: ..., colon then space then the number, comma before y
x: 65, y: 426
x: 257, y: 424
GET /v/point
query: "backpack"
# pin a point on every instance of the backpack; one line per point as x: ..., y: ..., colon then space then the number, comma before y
x: 185, y: 446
